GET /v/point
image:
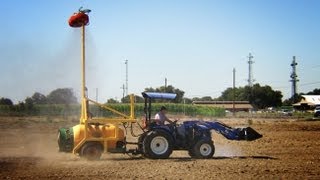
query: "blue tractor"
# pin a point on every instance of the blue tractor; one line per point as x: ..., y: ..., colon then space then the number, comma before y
x: 194, y: 136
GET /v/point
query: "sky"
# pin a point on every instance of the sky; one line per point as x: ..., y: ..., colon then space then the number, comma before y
x: 194, y: 44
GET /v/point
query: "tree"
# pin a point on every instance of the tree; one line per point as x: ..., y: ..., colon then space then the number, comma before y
x: 227, y: 95
x: 263, y: 96
x: 196, y: 99
x: 137, y: 99
x: 39, y: 98
x: 62, y: 96
x: 314, y: 92
x: 187, y: 100
x: 240, y: 94
x: 29, y: 103
x: 206, y: 98
x: 150, y: 89
x: 259, y: 96
x: 112, y: 101
x: 295, y: 98
x: 20, y: 106
x: 6, y: 101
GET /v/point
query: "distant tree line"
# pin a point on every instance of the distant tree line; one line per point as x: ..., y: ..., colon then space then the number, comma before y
x: 259, y: 96
x: 58, y: 96
x: 63, y: 96
x: 6, y: 101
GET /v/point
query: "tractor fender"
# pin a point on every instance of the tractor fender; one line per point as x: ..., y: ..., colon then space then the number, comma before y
x: 202, y: 127
x: 161, y: 128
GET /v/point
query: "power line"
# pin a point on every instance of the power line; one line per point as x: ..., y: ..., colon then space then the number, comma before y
x: 314, y: 67
x: 311, y: 83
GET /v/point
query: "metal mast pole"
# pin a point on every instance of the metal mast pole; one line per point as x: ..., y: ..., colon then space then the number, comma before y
x: 294, y: 77
x: 84, y: 104
x: 126, y: 62
x: 234, y: 92
x: 97, y: 95
x: 165, y: 84
x: 123, y: 91
x: 250, y: 75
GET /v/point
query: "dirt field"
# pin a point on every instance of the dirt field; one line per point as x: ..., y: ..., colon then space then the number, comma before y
x: 288, y: 150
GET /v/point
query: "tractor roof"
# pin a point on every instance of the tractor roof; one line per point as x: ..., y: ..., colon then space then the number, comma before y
x: 157, y: 95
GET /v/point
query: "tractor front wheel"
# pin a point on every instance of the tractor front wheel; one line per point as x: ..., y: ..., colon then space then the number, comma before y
x: 203, y: 149
x: 157, y: 144
x: 91, y: 151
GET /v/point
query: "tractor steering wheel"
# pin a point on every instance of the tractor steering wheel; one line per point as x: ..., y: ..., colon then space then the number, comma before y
x: 174, y: 122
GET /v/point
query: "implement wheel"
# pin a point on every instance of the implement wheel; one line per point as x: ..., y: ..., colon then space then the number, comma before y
x: 157, y: 144
x: 203, y: 149
x: 91, y: 151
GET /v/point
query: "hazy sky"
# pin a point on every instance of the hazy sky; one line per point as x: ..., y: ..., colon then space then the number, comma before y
x: 194, y: 44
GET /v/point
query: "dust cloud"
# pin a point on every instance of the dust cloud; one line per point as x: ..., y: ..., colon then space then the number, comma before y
x: 45, y: 65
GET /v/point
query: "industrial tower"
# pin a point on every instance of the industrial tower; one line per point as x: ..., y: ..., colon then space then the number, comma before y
x: 250, y: 75
x: 126, y: 63
x: 294, y: 77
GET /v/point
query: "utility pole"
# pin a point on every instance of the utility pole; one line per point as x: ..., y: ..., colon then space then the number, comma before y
x: 294, y: 77
x: 250, y: 75
x: 126, y: 88
x: 234, y: 92
x: 123, y: 91
x: 96, y: 94
x: 165, y: 84
x: 97, y: 98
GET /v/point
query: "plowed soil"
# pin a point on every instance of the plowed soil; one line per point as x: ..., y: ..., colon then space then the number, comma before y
x: 289, y: 149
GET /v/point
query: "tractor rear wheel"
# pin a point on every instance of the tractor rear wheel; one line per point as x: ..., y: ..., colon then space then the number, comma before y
x: 203, y: 149
x: 157, y: 144
x: 91, y: 151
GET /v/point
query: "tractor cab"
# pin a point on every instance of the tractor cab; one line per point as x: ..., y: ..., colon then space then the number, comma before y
x: 149, y: 97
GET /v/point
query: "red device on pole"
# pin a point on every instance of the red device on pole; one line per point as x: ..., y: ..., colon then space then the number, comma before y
x: 80, y: 18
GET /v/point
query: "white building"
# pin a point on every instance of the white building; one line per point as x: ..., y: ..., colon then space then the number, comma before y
x: 308, y: 102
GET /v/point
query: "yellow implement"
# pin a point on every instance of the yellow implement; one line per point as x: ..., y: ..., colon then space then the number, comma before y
x: 92, y: 136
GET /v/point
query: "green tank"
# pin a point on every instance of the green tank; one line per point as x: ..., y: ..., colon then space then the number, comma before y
x: 65, y: 139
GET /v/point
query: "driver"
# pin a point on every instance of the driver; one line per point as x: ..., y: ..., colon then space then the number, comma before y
x: 161, y: 117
